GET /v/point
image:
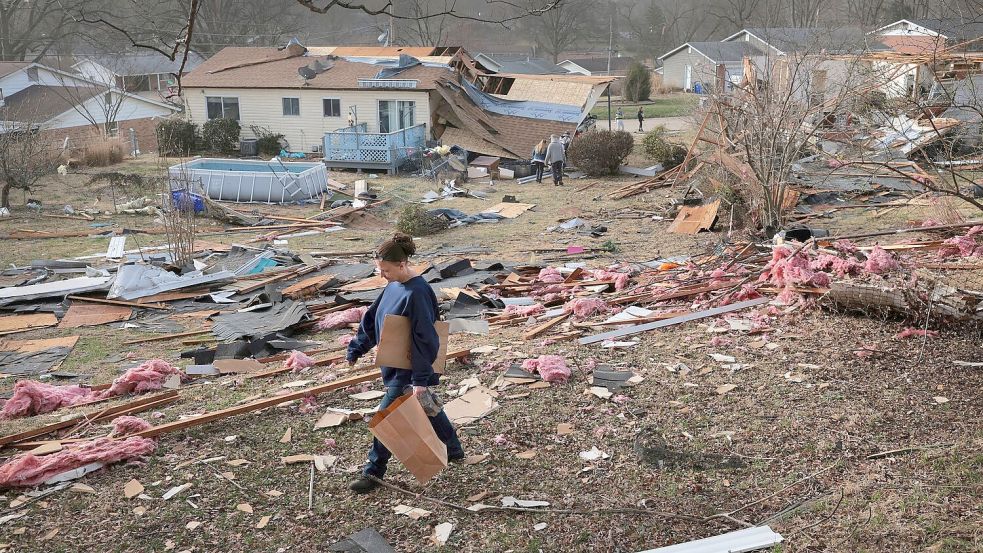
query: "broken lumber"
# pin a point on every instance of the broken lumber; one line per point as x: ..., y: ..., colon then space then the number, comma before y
x: 530, y: 334
x: 120, y: 303
x: 257, y: 405
x: 637, y: 329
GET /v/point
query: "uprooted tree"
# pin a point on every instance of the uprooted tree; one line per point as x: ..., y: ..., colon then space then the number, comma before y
x: 25, y: 157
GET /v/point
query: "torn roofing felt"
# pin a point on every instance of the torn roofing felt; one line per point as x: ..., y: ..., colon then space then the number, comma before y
x: 403, y: 63
x: 259, y: 323
x: 512, y: 134
x: 522, y: 108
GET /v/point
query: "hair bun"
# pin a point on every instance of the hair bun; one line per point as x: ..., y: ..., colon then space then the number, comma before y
x: 405, y: 241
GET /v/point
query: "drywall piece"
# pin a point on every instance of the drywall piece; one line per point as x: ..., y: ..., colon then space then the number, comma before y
x: 673, y: 321
x: 237, y: 366
x: 50, y: 289
x: 471, y: 406
x: 74, y: 474
x: 646, y: 172
x: 83, y: 314
x: 748, y: 539
x: 117, y: 244
x: 469, y: 326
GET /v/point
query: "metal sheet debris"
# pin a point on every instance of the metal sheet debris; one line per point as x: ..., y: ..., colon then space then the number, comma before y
x: 740, y: 541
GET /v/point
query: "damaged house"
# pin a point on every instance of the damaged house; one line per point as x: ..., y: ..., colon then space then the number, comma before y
x: 375, y: 107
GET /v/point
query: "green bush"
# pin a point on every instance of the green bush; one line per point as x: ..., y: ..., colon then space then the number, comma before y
x: 658, y: 148
x: 415, y: 221
x: 598, y: 153
x: 638, y: 83
x: 221, y: 135
x: 177, y: 137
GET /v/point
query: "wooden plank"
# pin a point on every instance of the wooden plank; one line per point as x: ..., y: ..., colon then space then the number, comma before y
x: 307, y: 286
x: 258, y: 405
x: 509, y: 210
x: 19, y: 323
x: 82, y: 314
x: 120, y: 303
x: 165, y: 337
x: 31, y: 346
x: 637, y: 329
x: 692, y: 220
x: 530, y: 334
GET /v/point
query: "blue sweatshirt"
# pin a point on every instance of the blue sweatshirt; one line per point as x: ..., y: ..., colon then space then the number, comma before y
x: 415, y: 300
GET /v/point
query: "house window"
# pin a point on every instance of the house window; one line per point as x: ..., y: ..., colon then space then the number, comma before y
x: 396, y: 115
x: 219, y: 107
x: 332, y: 107
x: 291, y: 106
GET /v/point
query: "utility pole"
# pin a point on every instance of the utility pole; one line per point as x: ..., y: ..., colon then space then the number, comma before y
x: 610, y: 46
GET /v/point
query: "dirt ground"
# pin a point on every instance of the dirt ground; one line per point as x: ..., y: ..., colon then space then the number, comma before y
x: 802, y: 442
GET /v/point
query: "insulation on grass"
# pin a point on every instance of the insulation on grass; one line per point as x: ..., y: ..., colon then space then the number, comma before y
x: 967, y: 245
x: 583, y: 308
x: 550, y: 275
x: 36, y: 398
x: 126, y: 425
x: 332, y: 321
x: 552, y: 368
x: 298, y: 360
x: 31, y: 470
x: 620, y: 279
x: 880, y: 262
x: 524, y: 310
x: 909, y: 332
x: 792, y: 268
x: 150, y: 375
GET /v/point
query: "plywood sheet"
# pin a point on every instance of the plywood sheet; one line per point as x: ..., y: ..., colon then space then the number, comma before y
x: 509, y: 210
x: 692, y: 220
x: 20, y: 323
x: 30, y: 346
x: 93, y: 314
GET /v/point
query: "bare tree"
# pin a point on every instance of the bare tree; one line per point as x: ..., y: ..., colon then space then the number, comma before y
x: 559, y: 29
x: 25, y: 156
x: 738, y: 14
x: 29, y: 29
x: 223, y: 23
x: 98, y: 104
x: 806, y: 13
x: 866, y: 13
x: 420, y: 29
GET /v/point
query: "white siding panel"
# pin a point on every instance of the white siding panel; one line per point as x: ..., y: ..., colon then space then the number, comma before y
x: 93, y: 110
x: 264, y: 108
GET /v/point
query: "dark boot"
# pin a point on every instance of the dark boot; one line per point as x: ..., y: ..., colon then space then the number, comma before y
x: 364, y: 484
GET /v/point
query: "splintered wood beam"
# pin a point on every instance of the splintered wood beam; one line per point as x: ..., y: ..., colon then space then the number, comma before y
x: 529, y: 335
x: 257, y: 405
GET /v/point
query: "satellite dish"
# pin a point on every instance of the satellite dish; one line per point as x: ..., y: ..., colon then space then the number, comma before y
x: 307, y: 73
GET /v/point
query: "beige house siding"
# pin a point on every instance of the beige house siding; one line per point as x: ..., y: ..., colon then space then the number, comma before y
x: 264, y: 108
x: 674, y: 69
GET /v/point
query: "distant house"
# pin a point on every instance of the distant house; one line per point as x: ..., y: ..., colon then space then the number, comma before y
x: 598, y: 65
x: 706, y: 65
x: 72, y: 109
x: 921, y: 36
x: 519, y: 64
x: 151, y: 74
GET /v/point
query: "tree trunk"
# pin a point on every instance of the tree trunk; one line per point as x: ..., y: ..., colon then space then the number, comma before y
x: 5, y: 195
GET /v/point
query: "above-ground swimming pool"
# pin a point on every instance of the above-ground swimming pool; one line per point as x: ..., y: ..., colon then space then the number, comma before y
x: 240, y: 180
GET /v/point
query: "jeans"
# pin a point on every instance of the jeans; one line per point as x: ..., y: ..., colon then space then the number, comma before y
x: 557, y: 168
x: 379, y: 455
x: 540, y: 166
x: 621, y: 124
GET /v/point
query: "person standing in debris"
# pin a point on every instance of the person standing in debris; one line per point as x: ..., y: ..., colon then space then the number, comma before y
x: 555, y: 156
x: 619, y: 116
x: 409, y: 295
x: 641, y: 118
x: 565, y: 140
x: 539, y: 159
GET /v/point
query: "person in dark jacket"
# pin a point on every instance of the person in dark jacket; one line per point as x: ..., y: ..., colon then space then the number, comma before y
x: 409, y: 295
x: 539, y: 159
x: 641, y: 118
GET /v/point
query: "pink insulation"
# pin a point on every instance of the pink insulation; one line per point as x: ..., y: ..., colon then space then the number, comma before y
x: 909, y: 332
x: 150, y: 375
x: 31, y: 470
x: 967, y: 245
x: 549, y: 275
x: 332, y: 321
x: 620, y: 279
x: 841, y: 267
x: 36, y: 398
x: 880, y: 262
x: 126, y: 425
x: 345, y: 339
x: 845, y: 246
x: 786, y: 269
x: 524, y: 310
x: 552, y: 368
x: 298, y: 360
x: 583, y: 308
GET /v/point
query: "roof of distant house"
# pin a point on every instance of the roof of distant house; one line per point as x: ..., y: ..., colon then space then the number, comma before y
x: 8, y: 67
x: 796, y: 39
x: 39, y: 103
x: 600, y: 65
x: 519, y: 64
x: 129, y: 64
x: 720, y: 52
x: 954, y: 28
x: 240, y: 67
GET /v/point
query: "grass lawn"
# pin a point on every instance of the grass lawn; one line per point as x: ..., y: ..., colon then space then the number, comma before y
x: 672, y: 105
